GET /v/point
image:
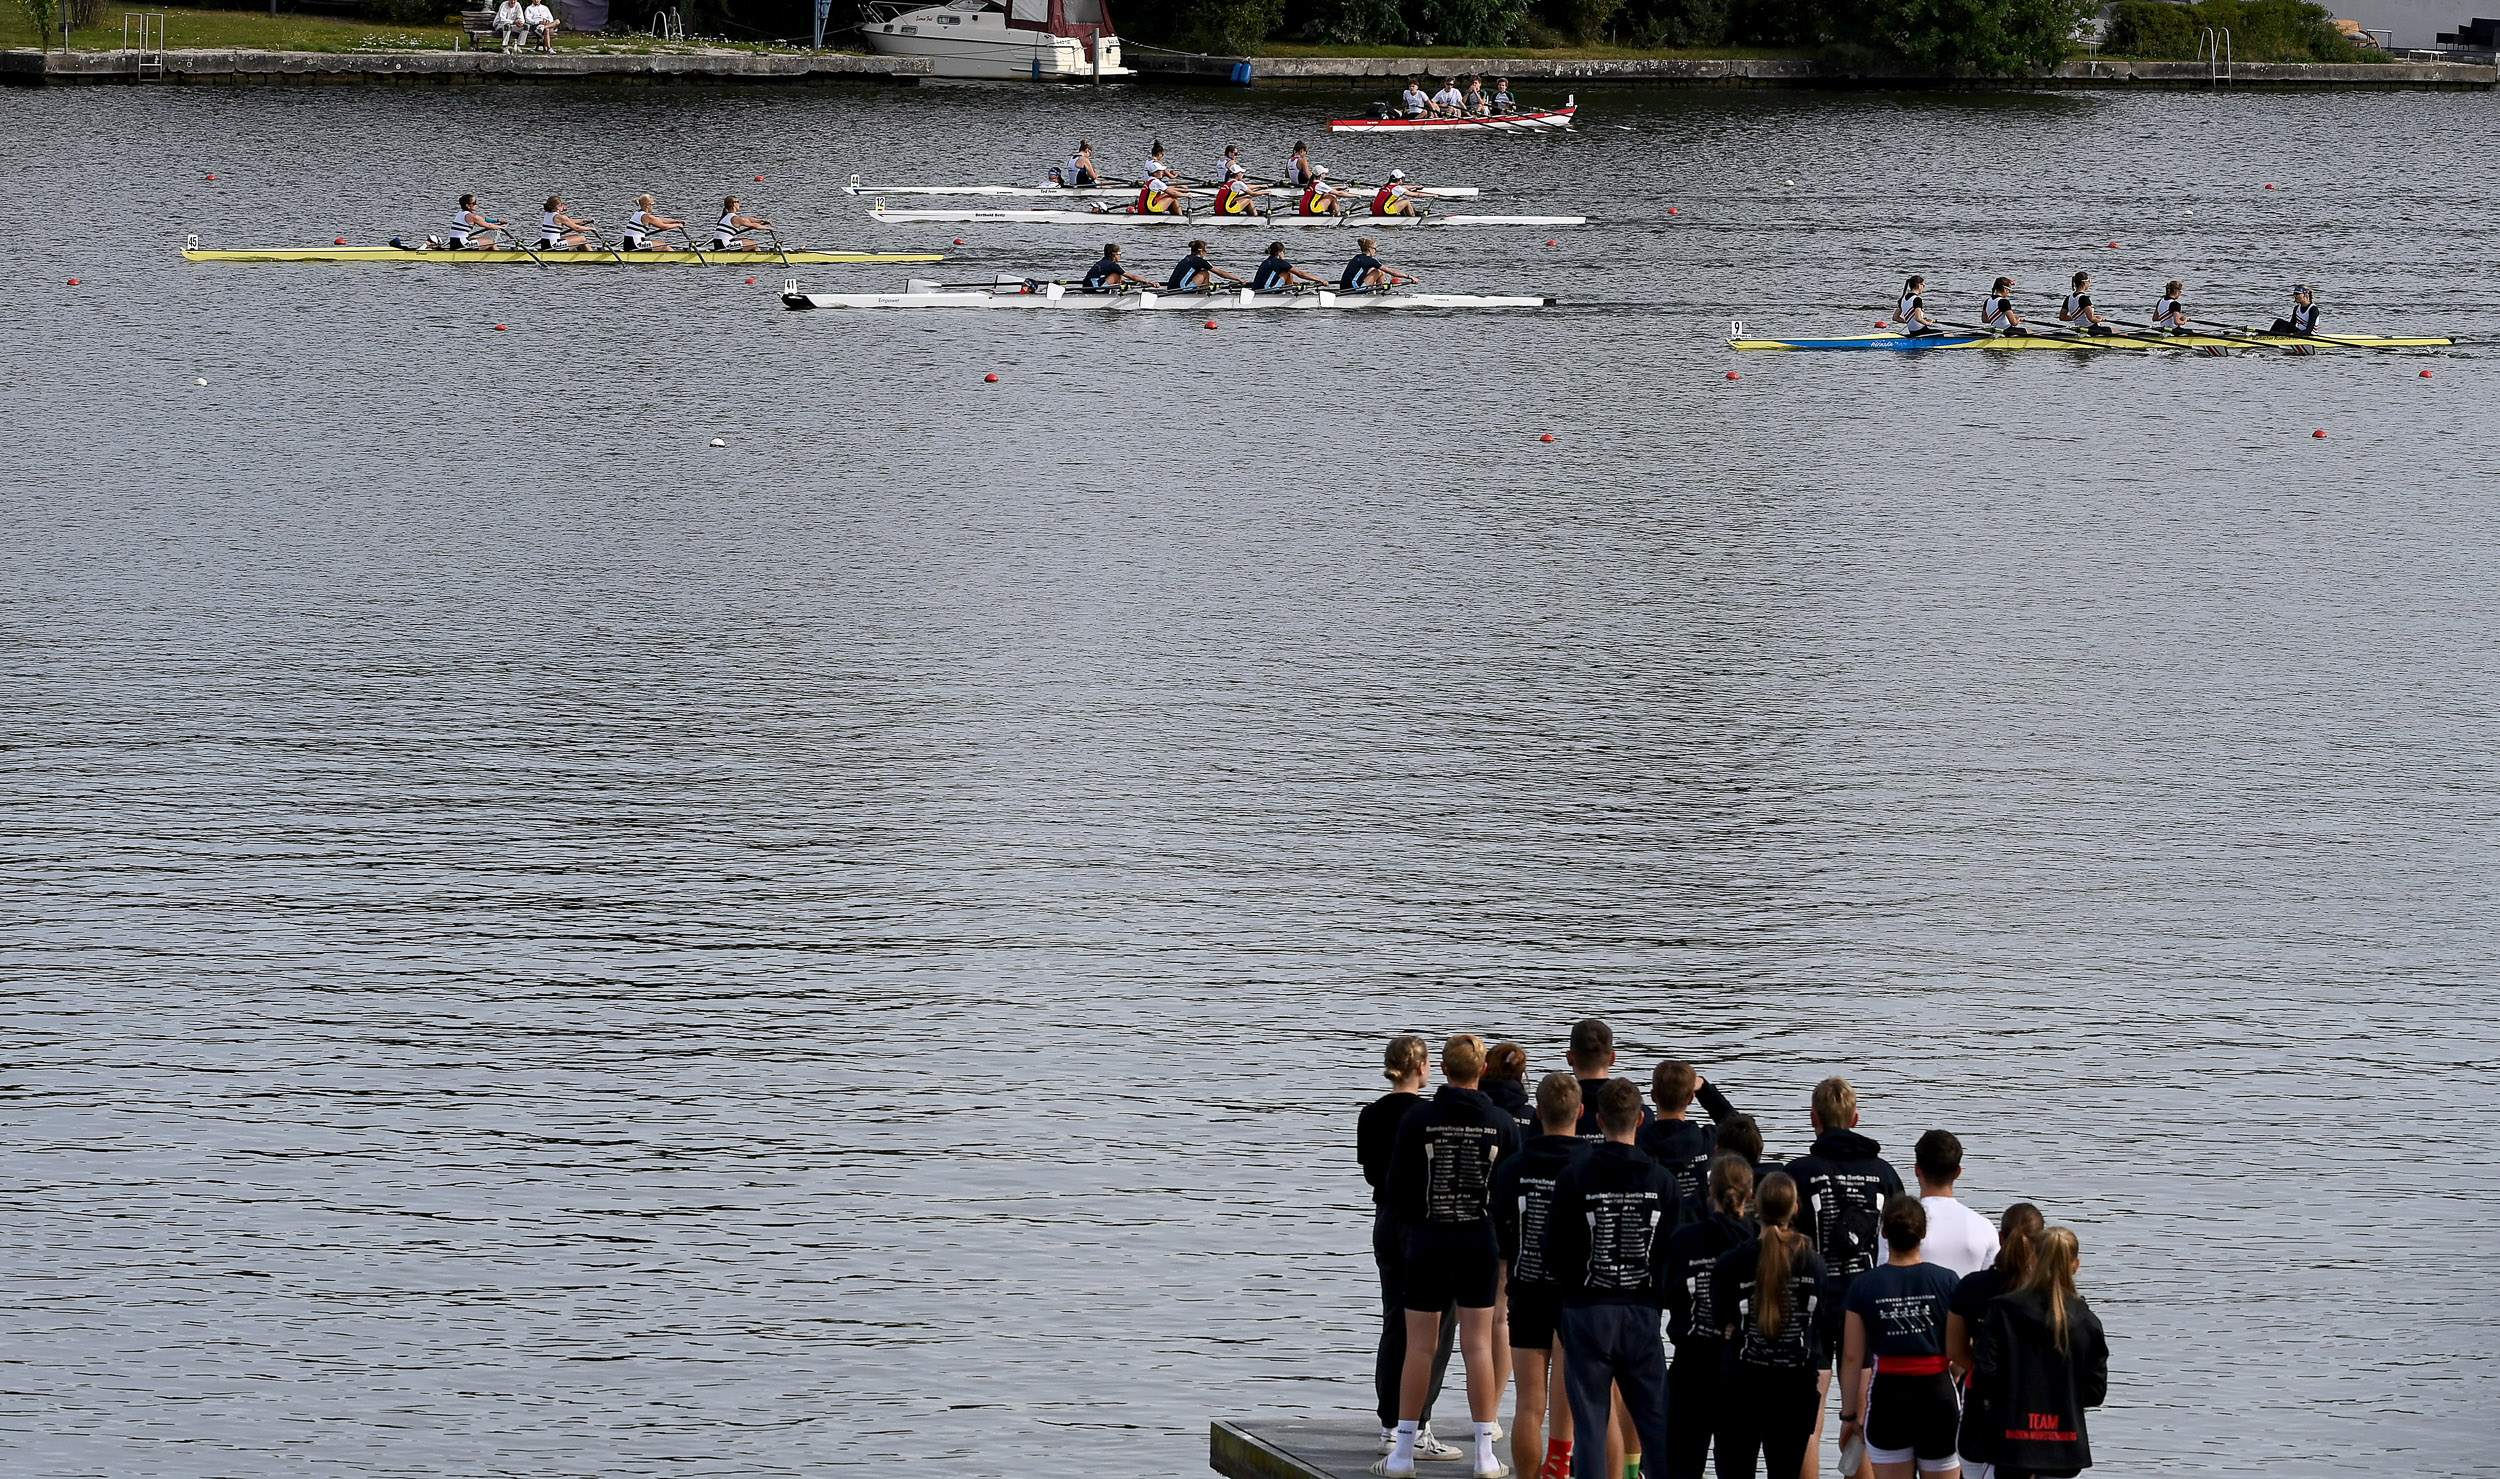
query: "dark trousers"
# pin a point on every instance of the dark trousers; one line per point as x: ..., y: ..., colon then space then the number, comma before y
x: 2286, y: 326
x: 1770, y: 1411
x: 1605, y: 1346
x: 1389, y: 1251
x: 1692, y: 1411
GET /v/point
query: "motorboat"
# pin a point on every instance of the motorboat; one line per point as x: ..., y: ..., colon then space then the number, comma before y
x: 1040, y: 40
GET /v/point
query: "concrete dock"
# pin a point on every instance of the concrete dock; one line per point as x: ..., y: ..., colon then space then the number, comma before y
x: 1333, y: 1448
x: 2080, y: 72
x: 27, y: 67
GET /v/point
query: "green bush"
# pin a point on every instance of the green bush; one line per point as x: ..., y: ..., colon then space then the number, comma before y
x: 2261, y: 31
x: 1472, y: 22
x: 410, y: 12
x: 1233, y: 26
x: 1667, y: 23
x: 1990, y: 36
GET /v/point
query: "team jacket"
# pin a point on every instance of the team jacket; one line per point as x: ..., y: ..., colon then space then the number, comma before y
x: 1513, y: 1096
x: 1590, y: 1129
x: 1692, y: 1256
x: 1606, y: 1234
x: 1735, y: 1301
x: 1523, y: 1193
x: 1684, y: 1147
x: 1842, y: 1185
x: 1441, y: 1173
x: 2037, y: 1393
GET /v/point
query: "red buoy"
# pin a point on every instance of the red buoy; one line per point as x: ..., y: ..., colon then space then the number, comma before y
x: 212, y: 177
x: 1210, y: 323
x: 1671, y: 210
x: 993, y: 380
x: 73, y: 282
x: 2269, y: 187
x: 1549, y: 436
x: 1553, y: 243
x: 2113, y: 243
x: 1879, y: 323
x: 2425, y: 374
x: 750, y: 282
x: 2320, y: 435
x: 1732, y: 375
x: 759, y: 179
x: 959, y: 241
x: 499, y: 328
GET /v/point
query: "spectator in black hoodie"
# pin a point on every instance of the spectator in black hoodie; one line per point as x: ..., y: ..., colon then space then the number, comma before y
x: 1523, y: 1191
x: 1765, y: 1293
x: 1692, y: 1254
x: 1592, y: 1058
x: 2041, y: 1360
x: 1407, y: 1066
x: 1674, y: 1141
x: 1978, y: 1446
x: 1606, y: 1242
x: 1506, y: 1084
x: 1441, y: 1188
x: 1842, y: 1185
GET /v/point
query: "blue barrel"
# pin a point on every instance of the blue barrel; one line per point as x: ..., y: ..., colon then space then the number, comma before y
x: 1241, y: 74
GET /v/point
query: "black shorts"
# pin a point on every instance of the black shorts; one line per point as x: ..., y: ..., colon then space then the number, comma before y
x: 1535, y: 1317
x: 1912, y: 1415
x: 1448, y: 1265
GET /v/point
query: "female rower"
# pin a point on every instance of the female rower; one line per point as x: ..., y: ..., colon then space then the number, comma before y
x: 1700, y: 1351
x: 1762, y: 1296
x: 1397, y: 198
x: 2077, y: 312
x: 1276, y: 275
x: 2304, y: 319
x: 644, y: 225
x: 2170, y: 313
x: 1907, y: 1414
x: 1321, y: 198
x: 1078, y: 172
x: 1298, y: 169
x: 1108, y: 276
x: 558, y: 231
x: 1229, y: 167
x: 470, y: 225
x: 1195, y: 274
x: 1911, y: 315
x: 1980, y: 1430
x: 1235, y: 197
x: 1364, y: 274
x: 2041, y: 1353
x: 1997, y: 312
x: 725, y: 237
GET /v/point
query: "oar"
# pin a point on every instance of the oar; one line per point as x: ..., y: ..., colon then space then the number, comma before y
x: 2080, y: 341
x: 517, y: 242
x: 2194, y: 330
x: 777, y: 246
x: 688, y: 233
x: 2319, y: 338
x: 601, y: 238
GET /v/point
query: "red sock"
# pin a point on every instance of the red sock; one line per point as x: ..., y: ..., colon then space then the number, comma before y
x: 1557, y: 1459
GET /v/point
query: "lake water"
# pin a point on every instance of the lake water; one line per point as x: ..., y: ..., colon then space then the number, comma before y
x: 537, y: 946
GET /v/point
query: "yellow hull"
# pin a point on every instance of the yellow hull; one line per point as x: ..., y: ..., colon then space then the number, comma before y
x: 589, y: 258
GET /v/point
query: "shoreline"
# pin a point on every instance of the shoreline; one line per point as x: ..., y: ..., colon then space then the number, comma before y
x: 24, y: 66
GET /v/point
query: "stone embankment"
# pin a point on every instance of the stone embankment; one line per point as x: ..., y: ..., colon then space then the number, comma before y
x: 37, y: 68
x: 2096, y: 72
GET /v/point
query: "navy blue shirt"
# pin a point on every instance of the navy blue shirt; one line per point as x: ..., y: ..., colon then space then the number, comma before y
x: 1903, y: 1307
x: 1190, y: 266
x: 1363, y: 262
x: 1271, y: 271
x: 1100, y: 274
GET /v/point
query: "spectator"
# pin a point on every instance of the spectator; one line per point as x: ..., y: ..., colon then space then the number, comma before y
x: 510, y: 26
x: 541, y: 23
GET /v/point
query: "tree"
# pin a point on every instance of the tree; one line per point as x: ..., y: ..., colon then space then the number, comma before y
x: 1948, y: 36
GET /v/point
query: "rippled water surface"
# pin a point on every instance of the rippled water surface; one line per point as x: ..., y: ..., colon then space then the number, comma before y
x: 536, y: 946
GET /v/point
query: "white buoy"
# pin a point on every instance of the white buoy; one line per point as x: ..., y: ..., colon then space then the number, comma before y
x: 716, y: 441
x: 199, y: 382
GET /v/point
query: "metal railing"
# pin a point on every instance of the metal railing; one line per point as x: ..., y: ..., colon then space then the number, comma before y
x: 143, y: 31
x: 2213, y: 48
x: 668, y: 25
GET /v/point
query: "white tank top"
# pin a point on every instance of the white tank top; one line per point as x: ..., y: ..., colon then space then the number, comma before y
x: 460, y: 227
x: 548, y: 230
x: 1997, y: 313
x: 2305, y: 319
x: 1908, y: 312
x: 2073, y: 311
x: 726, y: 231
x: 2166, y: 313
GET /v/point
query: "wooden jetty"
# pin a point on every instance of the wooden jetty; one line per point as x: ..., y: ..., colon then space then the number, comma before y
x: 1330, y: 1448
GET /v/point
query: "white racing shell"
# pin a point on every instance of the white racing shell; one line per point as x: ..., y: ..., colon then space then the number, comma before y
x: 1013, y: 293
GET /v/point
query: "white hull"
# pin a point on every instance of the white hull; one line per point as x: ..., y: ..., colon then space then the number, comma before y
x: 1122, y: 220
x: 1116, y: 192
x: 979, y: 44
x: 1056, y: 296
x: 1513, y: 123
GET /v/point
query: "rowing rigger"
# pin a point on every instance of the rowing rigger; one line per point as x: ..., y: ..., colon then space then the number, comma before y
x: 1026, y: 293
x: 884, y: 217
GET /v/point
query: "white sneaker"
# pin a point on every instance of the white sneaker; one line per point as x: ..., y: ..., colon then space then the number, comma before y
x: 1427, y: 1446
x: 1499, y: 1470
x: 1498, y: 1434
x: 1381, y: 1467
x: 1388, y: 1440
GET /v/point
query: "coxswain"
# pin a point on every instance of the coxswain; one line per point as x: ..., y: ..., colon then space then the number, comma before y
x: 725, y: 235
x: 1298, y: 169
x: 2304, y: 319
x: 1195, y: 274
x: 1414, y: 100
x: 1235, y: 197
x: 2077, y: 312
x: 1276, y: 275
x: 1503, y: 103
x: 470, y: 226
x: 1108, y: 276
x: 2170, y: 313
x: 1997, y: 311
x: 559, y: 231
x: 1397, y: 198
x: 1911, y: 314
x: 1449, y: 102
x: 1078, y: 172
x: 644, y: 224
x: 1364, y: 274
x: 1320, y: 198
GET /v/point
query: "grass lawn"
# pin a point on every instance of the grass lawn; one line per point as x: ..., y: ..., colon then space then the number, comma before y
x: 188, y: 28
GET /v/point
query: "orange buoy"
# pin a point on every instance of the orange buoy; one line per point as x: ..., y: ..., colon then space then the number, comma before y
x: 1549, y: 436
x: 993, y: 380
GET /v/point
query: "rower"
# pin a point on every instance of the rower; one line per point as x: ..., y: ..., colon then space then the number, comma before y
x: 1321, y: 198
x: 643, y: 226
x: 1997, y: 312
x: 1503, y: 103
x: 1229, y: 167
x: 1397, y: 198
x: 1414, y: 100
x: 1161, y: 195
x: 1235, y: 197
x: 1475, y: 103
x: 1298, y: 168
x: 2077, y: 312
x: 1276, y: 275
x: 1108, y: 276
x: 2170, y: 314
x: 471, y: 221
x: 725, y: 236
x: 1195, y: 274
x: 1078, y: 172
x: 1911, y: 314
x: 2304, y: 319
x: 558, y: 231
x: 1449, y: 102
x: 1364, y: 274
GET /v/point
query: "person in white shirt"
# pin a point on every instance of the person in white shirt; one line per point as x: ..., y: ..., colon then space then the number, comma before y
x: 1449, y: 102
x: 1957, y: 1237
x: 541, y: 23
x: 509, y: 25
x: 1414, y: 101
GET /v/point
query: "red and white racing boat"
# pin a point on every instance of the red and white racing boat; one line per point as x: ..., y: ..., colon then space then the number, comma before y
x: 1515, y: 123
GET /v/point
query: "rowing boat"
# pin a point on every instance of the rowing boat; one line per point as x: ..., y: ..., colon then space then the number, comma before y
x: 1509, y: 123
x: 1016, y: 292
x: 592, y: 258
x: 884, y: 217
x: 1112, y: 192
x: 2071, y: 342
